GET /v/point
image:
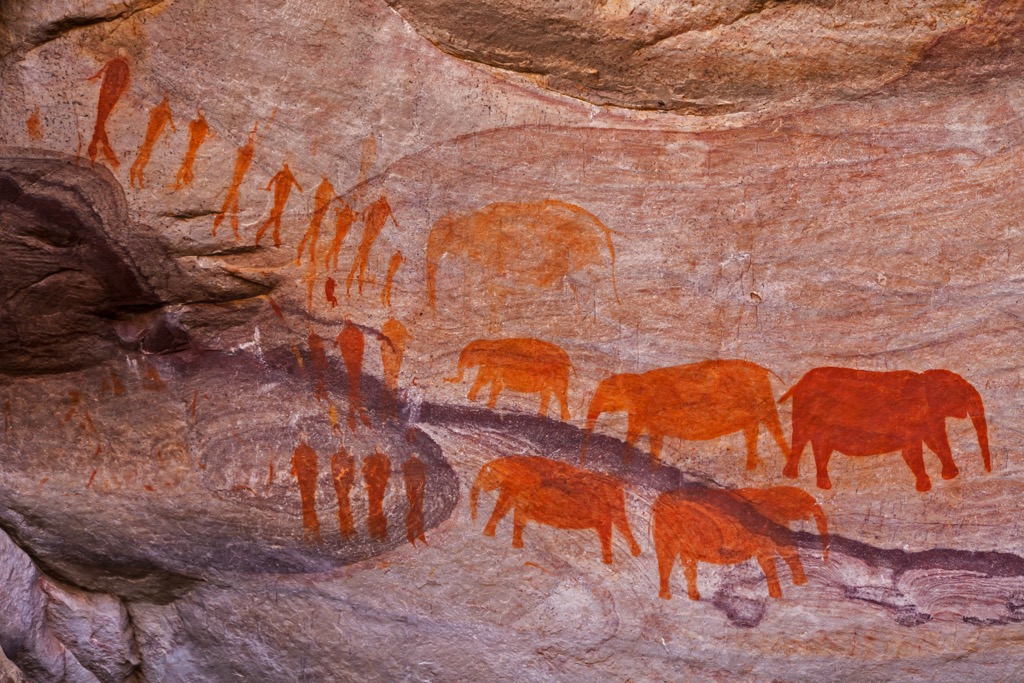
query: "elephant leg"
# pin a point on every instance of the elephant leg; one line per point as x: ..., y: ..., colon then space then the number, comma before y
x: 657, y: 440
x: 563, y: 399
x: 604, y: 532
x: 767, y: 562
x: 518, y: 522
x: 822, y: 453
x: 496, y: 387
x: 481, y: 380
x: 501, y: 508
x: 750, y: 434
x: 545, y: 399
x: 622, y: 523
x: 792, y: 467
x: 913, y: 454
x: 791, y: 557
x: 935, y: 438
x: 666, y: 558
x: 633, y: 432
x: 690, y: 570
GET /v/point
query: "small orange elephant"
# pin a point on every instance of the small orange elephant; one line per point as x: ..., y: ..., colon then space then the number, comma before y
x: 701, y: 532
x: 556, y: 494
x: 694, y: 402
x: 785, y: 504
x: 524, y: 365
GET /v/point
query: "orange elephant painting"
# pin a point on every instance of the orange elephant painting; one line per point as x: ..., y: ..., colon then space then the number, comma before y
x: 541, y: 244
x: 555, y: 494
x: 525, y: 365
x: 695, y: 402
x: 698, y: 532
x: 861, y: 412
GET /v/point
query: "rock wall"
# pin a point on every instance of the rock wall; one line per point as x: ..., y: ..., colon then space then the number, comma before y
x: 421, y: 340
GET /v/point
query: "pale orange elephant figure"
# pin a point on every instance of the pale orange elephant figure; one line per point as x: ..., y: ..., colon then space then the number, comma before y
x: 555, y: 494
x: 524, y: 365
x: 159, y: 118
x: 540, y: 244
x: 701, y: 532
x: 785, y: 504
x: 695, y: 402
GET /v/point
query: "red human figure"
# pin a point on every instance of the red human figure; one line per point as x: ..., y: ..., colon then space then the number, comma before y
x: 318, y: 359
x: 343, y: 220
x: 376, y: 472
x: 350, y: 342
x: 282, y: 182
x: 198, y: 130
x: 321, y: 203
x: 415, y: 474
x: 116, y: 76
x: 393, y: 266
x: 392, y: 349
x: 343, y: 472
x: 159, y: 118
x: 304, y: 469
x: 375, y: 217
x: 329, y: 286
x: 243, y: 159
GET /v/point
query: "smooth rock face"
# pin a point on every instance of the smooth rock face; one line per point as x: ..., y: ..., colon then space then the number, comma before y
x: 292, y: 296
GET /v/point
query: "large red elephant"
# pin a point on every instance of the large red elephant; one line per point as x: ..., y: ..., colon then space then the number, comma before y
x: 860, y: 412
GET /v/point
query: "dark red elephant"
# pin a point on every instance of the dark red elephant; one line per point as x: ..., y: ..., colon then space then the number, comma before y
x: 859, y: 412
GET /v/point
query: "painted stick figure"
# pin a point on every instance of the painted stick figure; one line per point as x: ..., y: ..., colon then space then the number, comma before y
x: 393, y: 266
x: 159, y: 118
x: 376, y: 472
x: 329, y: 287
x: 343, y: 472
x: 243, y: 159
x: 282, y: 182
x: 375, y: 217
x: 198, y: 130
x: 116, y: 76
x: 415, y: 474
x: 343, y: 220
x: 350, y: 342
x: 304, y: 469
x: 321, y: 203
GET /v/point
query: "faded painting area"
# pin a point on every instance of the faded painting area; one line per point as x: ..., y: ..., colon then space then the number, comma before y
x: 419, y: 341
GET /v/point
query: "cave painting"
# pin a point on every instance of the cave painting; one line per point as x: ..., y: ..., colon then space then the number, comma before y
x: 159, y: 118
x: 542, y: 244
x: 701, y: 532
x: 523, y: 365
x: 861, y: 412
x: 198, y: 131
x: 393, y: 265
x: 414, y: 473
x: 243, y: 159
x: 116, y: 75
x: 394, y: 338
x: 322, y: 199
x: 329, y: 288
x: 785, y: 504
x: 343, y: 474
x: 34, y: 125
x: 351, y: 344
x: 282, y: 182
x: 555, y: 494
x: 318, y: 360
x: 304, y: 469
x: 695, y: 402
x: 344, y: 217
x: 376, y: 472
x: 375, y: 217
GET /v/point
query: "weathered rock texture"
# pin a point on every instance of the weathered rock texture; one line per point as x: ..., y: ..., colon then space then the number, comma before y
x: 243, y: 248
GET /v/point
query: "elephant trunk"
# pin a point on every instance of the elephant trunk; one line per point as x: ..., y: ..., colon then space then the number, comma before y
x: 438, y: 244
x: 463, y: 362
x: 822, y: 522
x: 474, y: 493
x: 593, y: 412
x: 981, y: 427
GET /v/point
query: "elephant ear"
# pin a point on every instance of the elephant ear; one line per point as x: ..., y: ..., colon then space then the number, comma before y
x: 950, y: 395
